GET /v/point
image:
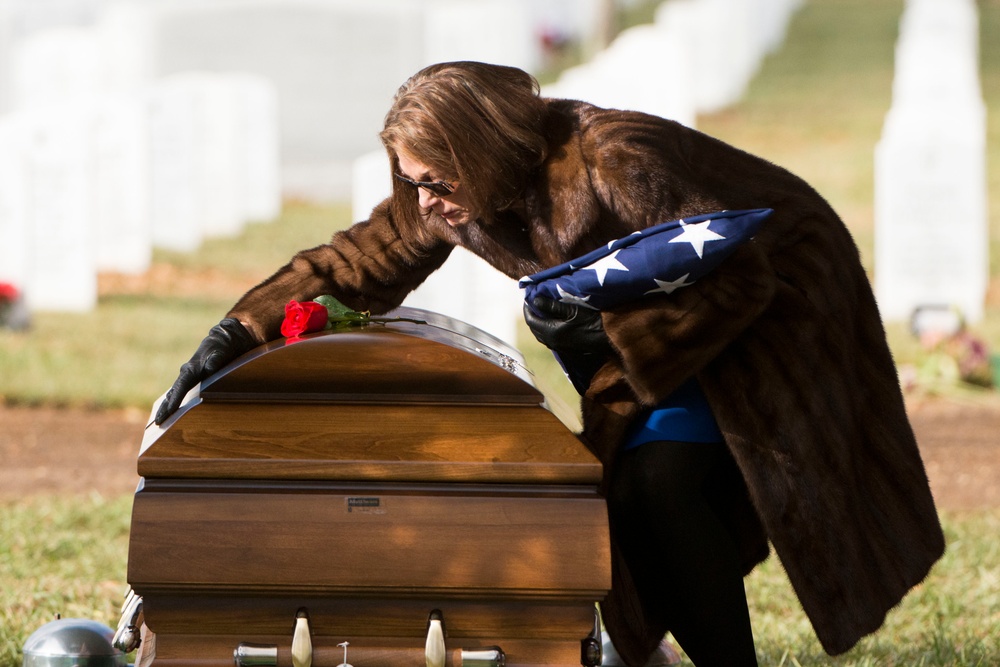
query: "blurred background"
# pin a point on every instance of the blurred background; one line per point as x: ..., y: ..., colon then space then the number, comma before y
x: 140, y: 139
x: 160, y: 157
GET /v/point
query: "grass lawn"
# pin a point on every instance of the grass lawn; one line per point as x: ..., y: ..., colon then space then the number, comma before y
x: 68, y: 555
x: 817, y: 108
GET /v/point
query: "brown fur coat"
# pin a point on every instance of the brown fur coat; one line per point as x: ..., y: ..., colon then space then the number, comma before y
x: 784, y: 337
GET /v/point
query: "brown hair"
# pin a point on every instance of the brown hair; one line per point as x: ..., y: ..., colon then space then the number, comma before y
x: 478, y: 123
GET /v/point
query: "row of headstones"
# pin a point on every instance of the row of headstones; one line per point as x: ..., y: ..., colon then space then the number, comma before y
x: 334, y: 63
x: 698, y: 56
x: 931, y: 226
x: 203, y: 25
x: 308, y: 50
x: 92, y: 183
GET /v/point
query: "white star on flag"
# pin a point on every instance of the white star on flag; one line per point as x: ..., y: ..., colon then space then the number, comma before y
x: 605, y: 264
x: 644, y: 262
x: 697, y: 235
x: 668, y: 286
x: 566, y: 297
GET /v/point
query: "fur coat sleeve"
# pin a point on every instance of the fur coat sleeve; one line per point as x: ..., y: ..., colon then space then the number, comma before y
x: 369, y: 266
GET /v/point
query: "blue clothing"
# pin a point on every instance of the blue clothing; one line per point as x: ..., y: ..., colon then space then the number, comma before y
x: 684, y: 416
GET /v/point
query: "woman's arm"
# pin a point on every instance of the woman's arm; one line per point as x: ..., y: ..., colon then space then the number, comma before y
x: 369, y: 266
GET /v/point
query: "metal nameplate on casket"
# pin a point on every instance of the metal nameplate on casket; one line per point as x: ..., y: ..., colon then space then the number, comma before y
x: 370, y: 476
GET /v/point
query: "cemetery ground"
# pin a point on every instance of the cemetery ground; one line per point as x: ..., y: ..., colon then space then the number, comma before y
x: 68, y: 472
x: 77, y: 389
x: 68, y: 476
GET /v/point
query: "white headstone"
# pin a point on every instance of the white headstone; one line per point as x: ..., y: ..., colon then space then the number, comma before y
x: 371, y: 182
x: 174, y: 176
x: 697, y: 56
x: 119, y: 131
x: 931, y: 225
x: 334, y: 63
x: 14, y: 228
x: 62, y: 270
x: 771, y: 19
x: 6, y: 44
x: 647, y: 68
x: 259, y: 107
x: 125, y: 30
x: 493, y: 31
x: 37, y: 15
x: 724, y: 66
x: 220, y: 145
x: 55, y: 66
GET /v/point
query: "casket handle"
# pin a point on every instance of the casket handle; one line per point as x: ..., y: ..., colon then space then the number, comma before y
x: 255, y: 655
x: 302, y: 650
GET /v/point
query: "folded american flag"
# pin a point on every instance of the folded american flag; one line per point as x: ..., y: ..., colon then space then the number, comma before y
x: 656, y: 260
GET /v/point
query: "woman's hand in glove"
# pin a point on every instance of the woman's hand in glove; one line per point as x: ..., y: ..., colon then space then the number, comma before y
x: 575, y: 334
x: 566, y: 326
x: 225, y: 341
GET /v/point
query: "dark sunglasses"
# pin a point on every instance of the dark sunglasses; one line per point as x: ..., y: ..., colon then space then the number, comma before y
x: 436, y: 188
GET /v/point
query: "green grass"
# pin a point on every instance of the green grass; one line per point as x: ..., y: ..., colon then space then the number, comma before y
x: 62, y: 556
x: 818, y: 104
x: 126, y: 351
x: 817, y: 108
x: 952, y: 618
x: 68, y: 556
x: 263, y: 247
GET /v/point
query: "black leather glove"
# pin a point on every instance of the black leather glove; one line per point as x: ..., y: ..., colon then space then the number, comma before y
x: 566, y: 326
x: 225, y: 341
x: 574, y: 334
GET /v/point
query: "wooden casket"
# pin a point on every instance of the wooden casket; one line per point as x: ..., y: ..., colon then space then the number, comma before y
x: 367, y: 477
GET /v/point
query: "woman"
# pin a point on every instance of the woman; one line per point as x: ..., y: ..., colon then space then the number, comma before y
x: 805, y: 442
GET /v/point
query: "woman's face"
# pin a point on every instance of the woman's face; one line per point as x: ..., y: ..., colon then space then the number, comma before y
x: 454, y: 208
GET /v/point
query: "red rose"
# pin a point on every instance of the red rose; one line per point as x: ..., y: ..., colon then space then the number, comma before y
x: 303, y: 317
x: 7, y: 293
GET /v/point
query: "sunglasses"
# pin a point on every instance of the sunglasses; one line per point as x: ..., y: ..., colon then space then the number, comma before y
x: 436, y: 188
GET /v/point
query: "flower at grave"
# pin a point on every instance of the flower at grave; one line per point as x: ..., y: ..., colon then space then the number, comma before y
x: 8, y: 294
x: 326, y: 312
x: 972, y: 357
x: 14, y: 314
x: 303, y: 317
x: 951, y: 359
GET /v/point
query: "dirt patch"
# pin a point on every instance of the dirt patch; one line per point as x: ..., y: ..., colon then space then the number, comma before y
x: 49, y: 450
x: 74, y: 451
x: 960, y: 445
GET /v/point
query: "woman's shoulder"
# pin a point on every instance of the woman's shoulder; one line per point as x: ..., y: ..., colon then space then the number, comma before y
x: 583, y: 116
x: 604, y: 131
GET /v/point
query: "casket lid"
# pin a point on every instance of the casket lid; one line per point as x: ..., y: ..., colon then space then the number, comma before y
x: 420, y: 357
x: 425, y: 398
